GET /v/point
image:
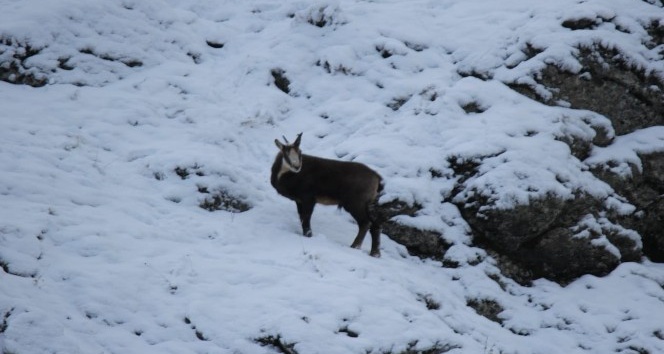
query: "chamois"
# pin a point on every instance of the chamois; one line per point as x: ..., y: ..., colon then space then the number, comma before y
x: 308, y: 180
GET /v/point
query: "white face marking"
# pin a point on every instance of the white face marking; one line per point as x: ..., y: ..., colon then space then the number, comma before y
x: 284, y: 169
x: 294, y: 160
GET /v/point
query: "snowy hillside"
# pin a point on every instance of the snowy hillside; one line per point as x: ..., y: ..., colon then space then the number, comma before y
x: 148, y: 110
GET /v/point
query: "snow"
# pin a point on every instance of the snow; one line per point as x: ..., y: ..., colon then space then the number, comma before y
x: 104, y: 248
x: 623, y: 154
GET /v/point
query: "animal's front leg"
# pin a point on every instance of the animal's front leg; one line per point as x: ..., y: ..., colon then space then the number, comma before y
x: 305, y: 209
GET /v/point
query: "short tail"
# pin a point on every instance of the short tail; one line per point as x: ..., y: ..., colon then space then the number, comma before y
x: 381, y: 186
x: 376, y: 214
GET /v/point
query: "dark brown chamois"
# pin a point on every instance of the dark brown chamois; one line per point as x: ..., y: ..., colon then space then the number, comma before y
x: 308, y: 180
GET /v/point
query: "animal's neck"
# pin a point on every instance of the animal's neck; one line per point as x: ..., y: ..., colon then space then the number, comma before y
x: 283, y: 169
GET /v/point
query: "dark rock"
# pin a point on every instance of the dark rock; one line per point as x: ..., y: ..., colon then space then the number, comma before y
x: 656, y: 32
x: 278, y: 343
x: 630, y: 250
x: 579, y: 24
x: 509, y: 267
x: 132, y: 63
x: 473, y: 107
x: 324, y: 16
x: 280, y: 80
x: 645, y: 190
x: 631, y: 98
x: 214, y: 44
x: 560, y: 256
x: 652, y: 230
x: 421, y: 243
x: 486, y: 307
x: 398, y: 102
x: 222, y: 200
x: 541, y: 239
x: 384, y: 52
x: 348, y: 332
x: 653, y: 170
x: 509, y: 229
x: 603, y: 138
x: 429, y: 301
x: 5, y: 319
x: 579, y: 146
x: 564, y: 239
x: 14, y: 68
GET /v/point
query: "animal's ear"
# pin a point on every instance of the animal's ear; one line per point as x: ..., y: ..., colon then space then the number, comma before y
x: 297, y: 141
x: 279, y: 145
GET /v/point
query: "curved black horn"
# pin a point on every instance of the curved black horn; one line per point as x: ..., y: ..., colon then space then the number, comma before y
x: 297, y: 140
x: 285, y: 140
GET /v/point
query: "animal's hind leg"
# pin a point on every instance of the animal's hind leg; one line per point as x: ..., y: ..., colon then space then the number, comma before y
x: 376, y: 220
x: 363, y: 228
x: 363, y: 222
x: 375, y: 239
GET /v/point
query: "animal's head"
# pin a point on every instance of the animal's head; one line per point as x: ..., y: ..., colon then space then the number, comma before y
x: 292, y: 155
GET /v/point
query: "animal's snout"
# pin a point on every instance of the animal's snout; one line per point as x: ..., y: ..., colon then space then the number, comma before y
x: 294, y: 159
x: 296, y: 166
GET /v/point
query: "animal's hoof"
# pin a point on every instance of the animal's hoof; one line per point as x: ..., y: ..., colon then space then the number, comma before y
x: 308, y: 233
x: 357, y: 247
x: 375, y: 254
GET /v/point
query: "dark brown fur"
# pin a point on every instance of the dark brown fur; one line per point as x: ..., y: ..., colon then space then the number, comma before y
x: 350, y: 185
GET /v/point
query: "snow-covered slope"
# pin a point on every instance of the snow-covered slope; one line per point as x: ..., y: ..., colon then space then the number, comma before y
x: 103, y: 245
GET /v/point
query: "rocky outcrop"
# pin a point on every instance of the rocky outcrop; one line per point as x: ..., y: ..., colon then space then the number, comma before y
x: 422, y: 243
x: 563, y: 238
x: 13, y: 63
x: 644, y: 188
x: 552, y: 237
x: 631, y: 98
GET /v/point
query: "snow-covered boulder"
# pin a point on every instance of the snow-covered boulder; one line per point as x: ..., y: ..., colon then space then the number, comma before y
x: 641, y: 181
x: 623, y: 82
x: 597, y: 66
